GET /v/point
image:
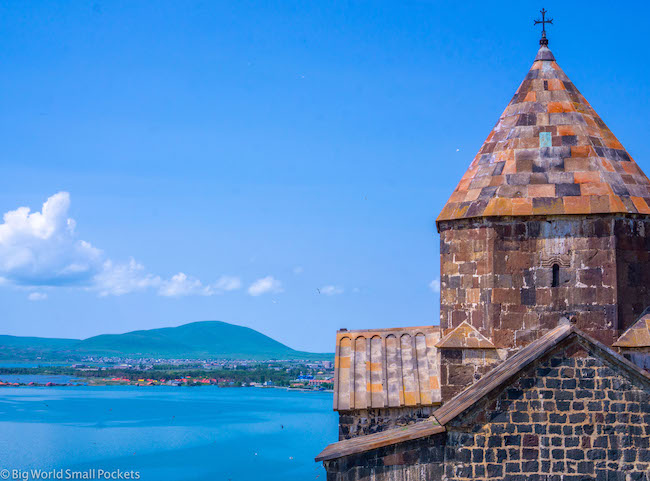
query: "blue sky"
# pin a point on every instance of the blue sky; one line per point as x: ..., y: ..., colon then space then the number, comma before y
x: 225, y: 160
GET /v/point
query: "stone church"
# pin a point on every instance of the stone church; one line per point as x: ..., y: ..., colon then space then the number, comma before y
x: 537, y: 370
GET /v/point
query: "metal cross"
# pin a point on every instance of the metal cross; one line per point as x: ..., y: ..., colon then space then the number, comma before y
x: 543, y: 21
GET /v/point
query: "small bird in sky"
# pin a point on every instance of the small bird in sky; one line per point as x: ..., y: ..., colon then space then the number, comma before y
x: 318, y: 290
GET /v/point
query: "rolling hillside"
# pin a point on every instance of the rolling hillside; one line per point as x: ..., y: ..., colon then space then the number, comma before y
x: 197, y: 340
x: 31, y: 348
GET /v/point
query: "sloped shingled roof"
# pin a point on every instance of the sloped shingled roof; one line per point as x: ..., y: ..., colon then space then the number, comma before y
x: 384, y: 368
x: 549, y: 154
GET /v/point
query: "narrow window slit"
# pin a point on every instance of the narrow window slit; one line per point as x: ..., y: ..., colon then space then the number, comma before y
x: 556, y: 275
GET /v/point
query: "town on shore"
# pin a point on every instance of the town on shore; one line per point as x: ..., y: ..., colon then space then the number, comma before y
x: 107, y: 371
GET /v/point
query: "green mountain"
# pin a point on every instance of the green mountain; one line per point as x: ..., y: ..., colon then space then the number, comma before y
x: 31, y: 348
x: 197, y: 340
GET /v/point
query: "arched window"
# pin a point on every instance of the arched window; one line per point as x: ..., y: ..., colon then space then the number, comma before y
x: 556, y: 275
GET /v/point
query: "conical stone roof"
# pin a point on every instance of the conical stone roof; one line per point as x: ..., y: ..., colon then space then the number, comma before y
x: 549, y: 154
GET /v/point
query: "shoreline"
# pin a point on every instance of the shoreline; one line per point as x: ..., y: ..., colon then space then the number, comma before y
x: 80, y: 383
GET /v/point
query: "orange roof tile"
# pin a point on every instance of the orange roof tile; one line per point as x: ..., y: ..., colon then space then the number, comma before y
x: 549, y: 154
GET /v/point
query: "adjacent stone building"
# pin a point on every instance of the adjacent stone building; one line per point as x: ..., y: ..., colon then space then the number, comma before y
x: 550, y: 222
x: 565, y: 407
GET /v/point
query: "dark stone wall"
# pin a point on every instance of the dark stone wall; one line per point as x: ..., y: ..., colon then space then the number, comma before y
x: 460, y: 368
x: 498, y: 275
x: 360, y: 422
x: 632, y: 269
x: 421, y: 459
x: 571, y: 416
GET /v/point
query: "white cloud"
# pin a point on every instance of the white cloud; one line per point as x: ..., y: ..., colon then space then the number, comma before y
x: 227, y: 283
x: 298, y: 270
x: 434, y: 285
x: 118, y: 279
x: 41, y: 249
x: 182, y: 285
x: 37, y: 296
x: 265, y: 285
x: 331, y: 290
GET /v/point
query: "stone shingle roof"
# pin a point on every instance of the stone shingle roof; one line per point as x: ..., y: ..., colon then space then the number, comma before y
x: 384, y: 368
x: 549, y: 154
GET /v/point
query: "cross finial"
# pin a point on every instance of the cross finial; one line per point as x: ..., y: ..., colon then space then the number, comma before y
x: 544, y: 41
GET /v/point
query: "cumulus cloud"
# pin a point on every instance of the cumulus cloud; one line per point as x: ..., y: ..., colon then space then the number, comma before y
x: 41, y: 249
x: 265, y: 285
x: 117, y: 279
x: 37, y: 296
x: 182, y: 285
x: 331, y: 290
x: 434, y: 285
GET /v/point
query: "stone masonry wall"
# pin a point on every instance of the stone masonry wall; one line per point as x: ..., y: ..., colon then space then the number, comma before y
x: 632, y: 268
x: 417, y: 460
x: 498, y: 275
x: 460, y: 368
x: 360, y: 422
x: 571, y: 416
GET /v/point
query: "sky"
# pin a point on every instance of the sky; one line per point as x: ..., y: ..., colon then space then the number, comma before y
x: 277, y: 165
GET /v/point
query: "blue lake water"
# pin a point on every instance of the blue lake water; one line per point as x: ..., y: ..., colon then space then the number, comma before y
x: 168, y: 433
x: 39, y: 378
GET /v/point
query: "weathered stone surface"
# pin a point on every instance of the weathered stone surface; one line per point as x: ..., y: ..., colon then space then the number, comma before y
x: 465, y: 336
x: 551, y: 221
x: 603, y: 277
x: 386, y: 368
x: 571, y: 415
x: 368, y: 421
x: 637, y: 336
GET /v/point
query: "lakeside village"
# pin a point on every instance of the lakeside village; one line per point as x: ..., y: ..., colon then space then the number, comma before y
x: 106, y: 371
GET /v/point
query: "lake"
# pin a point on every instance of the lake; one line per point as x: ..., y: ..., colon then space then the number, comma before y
x: 168, y: 433
x: 40, y: 378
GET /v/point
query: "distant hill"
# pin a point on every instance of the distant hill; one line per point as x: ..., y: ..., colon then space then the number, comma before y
x: 197, y: 340
x: 31, y: 348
